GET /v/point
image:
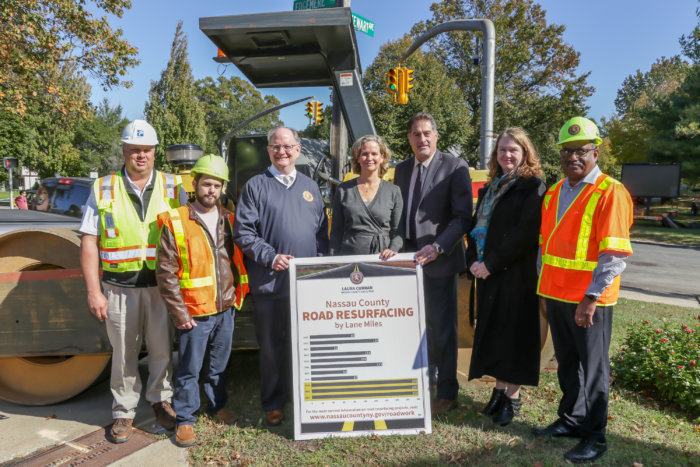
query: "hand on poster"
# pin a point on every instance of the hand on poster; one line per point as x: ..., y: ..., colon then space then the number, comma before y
x: 281, y: 262
x: 426, y: 254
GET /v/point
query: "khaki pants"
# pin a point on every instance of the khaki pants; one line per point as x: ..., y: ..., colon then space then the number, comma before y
x: 136, y: 315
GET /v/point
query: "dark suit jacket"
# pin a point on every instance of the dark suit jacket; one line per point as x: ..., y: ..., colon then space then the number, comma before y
x: 445, y: 209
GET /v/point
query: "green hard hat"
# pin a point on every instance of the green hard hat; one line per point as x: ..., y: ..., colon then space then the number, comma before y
x: 213, y: 165
x: 579, y: 129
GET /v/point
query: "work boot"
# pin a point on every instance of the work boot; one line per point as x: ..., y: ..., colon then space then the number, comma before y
x: 121, y: 430
x: 225, y: 416
x: 184, y: 436
x: 165, y: 415
x: 509, y: 409
x: 494, y: 403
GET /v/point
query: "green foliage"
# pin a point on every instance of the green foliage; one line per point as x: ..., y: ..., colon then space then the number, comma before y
x: 630, y: 132
x: 537, y: 86
x: 172, y: 107
x: 665, y: 357
x: 230, y: 101
x: 41, y: 38
x: 434, y: 92
x: 98, y: 140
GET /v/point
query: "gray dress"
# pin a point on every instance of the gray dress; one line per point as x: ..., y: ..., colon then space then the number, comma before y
x: 360, y: 228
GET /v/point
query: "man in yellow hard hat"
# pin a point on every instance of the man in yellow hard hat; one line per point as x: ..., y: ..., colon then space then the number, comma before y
x: 203, y: 281
x: 584, y: 240
x: 119, y: 236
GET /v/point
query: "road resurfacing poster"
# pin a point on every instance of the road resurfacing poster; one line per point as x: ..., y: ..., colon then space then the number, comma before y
x: 359, y: 353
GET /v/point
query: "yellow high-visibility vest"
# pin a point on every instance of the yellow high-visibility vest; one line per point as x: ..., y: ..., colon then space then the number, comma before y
x: 126, y: 242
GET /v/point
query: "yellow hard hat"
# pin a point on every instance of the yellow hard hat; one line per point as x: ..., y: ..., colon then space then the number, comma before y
x: 579, y: 129
x: 213, y: 165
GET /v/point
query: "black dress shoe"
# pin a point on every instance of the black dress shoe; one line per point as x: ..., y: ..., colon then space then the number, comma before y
x: 494, y: 403
x: 587, y: 450
x: 509, y: 409
x: 557, y: 429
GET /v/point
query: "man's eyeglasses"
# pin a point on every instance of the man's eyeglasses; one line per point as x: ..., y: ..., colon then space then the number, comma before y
x: 278, y: 147
x: 579, y: 152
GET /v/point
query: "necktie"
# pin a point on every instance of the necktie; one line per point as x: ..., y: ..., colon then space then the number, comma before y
x: 287, y: 180
x: 415, y: 200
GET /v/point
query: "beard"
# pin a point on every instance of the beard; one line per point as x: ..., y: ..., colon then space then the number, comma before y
x: 207, y: 202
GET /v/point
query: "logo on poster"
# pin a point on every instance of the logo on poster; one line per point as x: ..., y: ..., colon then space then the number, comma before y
x: 356, y: 276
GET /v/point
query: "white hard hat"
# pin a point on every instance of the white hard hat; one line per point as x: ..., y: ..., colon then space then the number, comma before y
x: 139, y: 132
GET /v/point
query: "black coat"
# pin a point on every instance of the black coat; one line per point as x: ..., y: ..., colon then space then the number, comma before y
x: 507, y: 337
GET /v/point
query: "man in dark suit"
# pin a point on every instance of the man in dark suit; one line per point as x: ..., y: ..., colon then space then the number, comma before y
x: 437, y: 195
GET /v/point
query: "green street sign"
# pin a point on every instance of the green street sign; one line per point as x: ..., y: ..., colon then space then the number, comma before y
x: 359, y: 23
x: 313, y: 4
x: 363, y: 25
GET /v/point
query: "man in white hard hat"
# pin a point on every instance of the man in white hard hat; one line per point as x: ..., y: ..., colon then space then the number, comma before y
x: 119, y: 236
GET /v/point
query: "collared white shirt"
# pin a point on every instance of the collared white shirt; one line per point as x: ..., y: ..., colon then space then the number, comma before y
x: 280, y: 177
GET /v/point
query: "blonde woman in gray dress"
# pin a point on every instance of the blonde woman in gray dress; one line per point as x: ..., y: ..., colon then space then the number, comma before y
x: 367, y: 209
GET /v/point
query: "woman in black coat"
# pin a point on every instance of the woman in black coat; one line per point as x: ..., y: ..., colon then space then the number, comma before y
x: 502, y: 256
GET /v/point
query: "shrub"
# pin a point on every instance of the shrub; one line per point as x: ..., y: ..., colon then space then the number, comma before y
x: 666, y: 357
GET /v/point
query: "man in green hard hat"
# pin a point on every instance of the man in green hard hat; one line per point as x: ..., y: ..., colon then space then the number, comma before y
x: 203, y: 282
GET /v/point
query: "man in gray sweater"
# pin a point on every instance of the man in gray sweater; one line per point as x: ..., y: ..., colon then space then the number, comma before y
x: 280, y: 215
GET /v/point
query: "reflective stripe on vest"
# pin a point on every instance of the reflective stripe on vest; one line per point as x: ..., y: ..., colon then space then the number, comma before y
x: 196, y: 257
x: 126, y: 242
x: 185, y: 281
x: 567, y: 262
x: 120, y: 255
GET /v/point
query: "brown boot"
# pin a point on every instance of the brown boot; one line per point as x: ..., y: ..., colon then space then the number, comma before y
x: 121, y: 430
x: 184, y: 436
x: 164, y: 414
x: 225, y: 416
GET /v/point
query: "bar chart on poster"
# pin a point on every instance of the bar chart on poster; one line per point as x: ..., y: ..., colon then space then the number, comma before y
x: 359, y: 356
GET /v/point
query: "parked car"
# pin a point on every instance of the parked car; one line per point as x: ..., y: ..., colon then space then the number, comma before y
x: 62, y: 195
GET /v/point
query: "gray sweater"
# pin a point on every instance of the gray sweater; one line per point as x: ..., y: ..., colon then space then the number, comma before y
x: 272, y: 219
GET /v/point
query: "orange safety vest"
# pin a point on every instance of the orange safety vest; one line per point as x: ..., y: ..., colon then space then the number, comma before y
x: 197, y: 273
x: 598, y: 220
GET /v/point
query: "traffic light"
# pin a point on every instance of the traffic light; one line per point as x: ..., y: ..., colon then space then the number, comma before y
x: 318, y: 113
x: 310, y: 107
x: 392, y: 82
x: 9, y: 162
x: 405, y: 78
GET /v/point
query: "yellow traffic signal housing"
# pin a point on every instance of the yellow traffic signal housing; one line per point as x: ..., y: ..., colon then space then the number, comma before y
x: 392, y: 82
x: 405, y: 79
x: 318, y: 113
x: 310, y: 107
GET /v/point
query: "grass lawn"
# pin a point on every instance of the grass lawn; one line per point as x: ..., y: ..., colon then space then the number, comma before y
x: 651, y: 231
x: 641, y: 428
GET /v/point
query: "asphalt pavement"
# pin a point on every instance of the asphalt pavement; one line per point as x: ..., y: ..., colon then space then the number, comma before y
x: 663, y: 273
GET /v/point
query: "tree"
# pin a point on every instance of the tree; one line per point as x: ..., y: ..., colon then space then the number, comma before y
x: 670, y: 116
x: 434, y: 92
x: 41, y: 137
x: 537, y: 86
x: 39, y: 39
x: 628, y: 130
x: 98, y: 139
x: 172, y: 107
x: 230, y: 101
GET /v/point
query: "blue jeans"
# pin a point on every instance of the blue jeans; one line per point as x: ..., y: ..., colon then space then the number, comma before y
x: 210, y: 340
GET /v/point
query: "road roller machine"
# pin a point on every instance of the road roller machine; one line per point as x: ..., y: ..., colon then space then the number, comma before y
x: 51, y: 346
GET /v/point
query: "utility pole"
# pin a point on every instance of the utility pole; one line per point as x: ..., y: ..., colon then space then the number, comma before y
x: 339, y: 130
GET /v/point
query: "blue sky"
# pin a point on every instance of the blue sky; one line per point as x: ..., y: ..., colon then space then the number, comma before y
x: 615, y: 38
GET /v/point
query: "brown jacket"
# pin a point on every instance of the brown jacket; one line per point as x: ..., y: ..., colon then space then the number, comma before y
x: 168, y: 267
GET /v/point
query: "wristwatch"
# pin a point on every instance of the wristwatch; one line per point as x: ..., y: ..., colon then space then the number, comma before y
x: 592, y: 298
x: 438, y: 248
